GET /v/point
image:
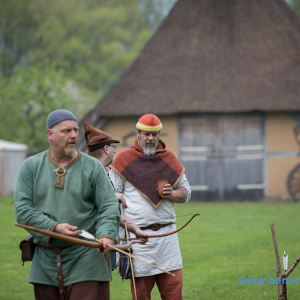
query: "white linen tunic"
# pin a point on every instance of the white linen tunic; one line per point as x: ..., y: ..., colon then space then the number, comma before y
x: 163, y: 252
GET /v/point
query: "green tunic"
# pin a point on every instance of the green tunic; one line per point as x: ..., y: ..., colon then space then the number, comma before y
x: 87, y: 201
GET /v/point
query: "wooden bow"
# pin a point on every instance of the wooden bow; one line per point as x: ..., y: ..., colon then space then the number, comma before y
x: 96, y: 244
x: 164, y: 234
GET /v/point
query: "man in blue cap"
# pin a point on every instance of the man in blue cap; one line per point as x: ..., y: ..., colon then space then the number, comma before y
x: 64, y: 190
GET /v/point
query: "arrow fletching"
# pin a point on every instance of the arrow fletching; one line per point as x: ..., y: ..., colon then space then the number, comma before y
x: 87, y: 235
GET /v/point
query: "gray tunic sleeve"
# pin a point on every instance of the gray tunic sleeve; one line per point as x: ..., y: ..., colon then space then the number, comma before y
x: 183, y: 182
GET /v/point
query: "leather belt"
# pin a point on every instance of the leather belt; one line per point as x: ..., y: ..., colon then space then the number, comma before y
x: 155, y: 227
x: 57, y: 251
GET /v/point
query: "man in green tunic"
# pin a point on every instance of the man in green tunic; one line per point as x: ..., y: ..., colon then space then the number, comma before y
x: 64, y: 190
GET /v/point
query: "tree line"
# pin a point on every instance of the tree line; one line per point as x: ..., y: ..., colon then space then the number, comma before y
x: 65, y: 54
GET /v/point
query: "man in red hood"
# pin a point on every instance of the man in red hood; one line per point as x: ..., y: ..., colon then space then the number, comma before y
x: 135, y: 173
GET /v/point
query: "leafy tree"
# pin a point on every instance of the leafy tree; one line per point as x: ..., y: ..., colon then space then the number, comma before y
x: 16, y: 34
x: 27, y: 97
x: 90, y: 42
x: 94, y: 41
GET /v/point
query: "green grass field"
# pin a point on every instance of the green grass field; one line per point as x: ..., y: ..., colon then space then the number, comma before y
x: 228, y: 241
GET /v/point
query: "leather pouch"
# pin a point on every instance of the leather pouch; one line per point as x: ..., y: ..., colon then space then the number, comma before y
x: 124, y: 266
x: 27, y: 247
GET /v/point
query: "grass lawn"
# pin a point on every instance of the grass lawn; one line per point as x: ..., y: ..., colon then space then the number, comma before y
x: 228, y: 241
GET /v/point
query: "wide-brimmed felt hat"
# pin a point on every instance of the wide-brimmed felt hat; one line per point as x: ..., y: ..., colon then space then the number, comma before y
x: 96, y: 138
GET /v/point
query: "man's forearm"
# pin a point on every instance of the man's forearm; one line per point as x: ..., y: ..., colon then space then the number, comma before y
x: 178, y: 195
x: 134, y: 229
x: 130, y: 225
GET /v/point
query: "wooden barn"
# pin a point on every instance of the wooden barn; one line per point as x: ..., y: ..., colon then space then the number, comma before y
x: 223, y: 76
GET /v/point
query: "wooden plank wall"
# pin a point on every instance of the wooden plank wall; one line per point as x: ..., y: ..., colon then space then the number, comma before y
x: 223, y: 155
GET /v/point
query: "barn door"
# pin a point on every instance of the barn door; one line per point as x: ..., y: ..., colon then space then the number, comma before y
x: 223, y: 155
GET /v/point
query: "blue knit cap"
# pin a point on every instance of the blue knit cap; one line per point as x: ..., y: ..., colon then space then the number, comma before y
x: 58, y: 116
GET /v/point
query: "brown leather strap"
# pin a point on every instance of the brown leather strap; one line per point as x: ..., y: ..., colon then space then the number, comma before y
x: 155, y: 227
x: 57, y: 251
x: 59, y: 273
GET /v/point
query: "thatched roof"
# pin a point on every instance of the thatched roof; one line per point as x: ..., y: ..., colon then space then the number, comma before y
x: 214, y: 56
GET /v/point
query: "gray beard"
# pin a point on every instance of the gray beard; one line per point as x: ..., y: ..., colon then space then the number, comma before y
x: 148, y: 151
x: 70, y: 151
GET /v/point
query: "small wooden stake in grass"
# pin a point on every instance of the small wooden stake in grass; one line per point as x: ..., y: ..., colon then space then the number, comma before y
x: 278, y: 270
x: 282, y: 288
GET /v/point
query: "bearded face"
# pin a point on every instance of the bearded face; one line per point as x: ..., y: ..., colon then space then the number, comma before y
x: 64, y: 138
x: 148, y: 141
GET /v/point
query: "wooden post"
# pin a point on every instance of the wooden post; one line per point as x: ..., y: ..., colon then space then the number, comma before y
x: 285, y: 293
x: 282, y: 288
x: 278, y: 270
